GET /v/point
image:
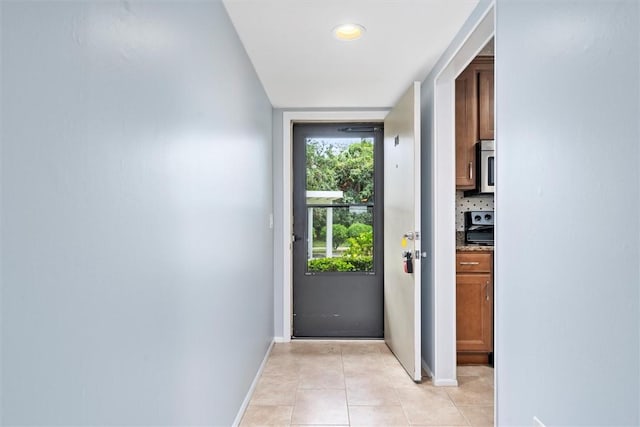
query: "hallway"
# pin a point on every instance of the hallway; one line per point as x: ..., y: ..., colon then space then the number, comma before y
x: 361, y: 383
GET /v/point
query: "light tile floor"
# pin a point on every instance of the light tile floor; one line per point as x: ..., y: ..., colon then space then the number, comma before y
x: 360, y: 383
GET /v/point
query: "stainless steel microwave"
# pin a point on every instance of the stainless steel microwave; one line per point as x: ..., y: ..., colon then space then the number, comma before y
x: 486, y: 166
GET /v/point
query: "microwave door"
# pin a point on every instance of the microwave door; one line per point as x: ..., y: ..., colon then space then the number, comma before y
x: 491, y: 171
x: 487, y: 172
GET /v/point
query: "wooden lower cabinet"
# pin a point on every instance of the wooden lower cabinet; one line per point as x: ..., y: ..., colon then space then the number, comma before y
x: 474, y: 308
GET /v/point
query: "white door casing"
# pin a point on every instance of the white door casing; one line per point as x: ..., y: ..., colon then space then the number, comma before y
x: 402, y: 306
x: 283, y: 272
x: 442, y: 169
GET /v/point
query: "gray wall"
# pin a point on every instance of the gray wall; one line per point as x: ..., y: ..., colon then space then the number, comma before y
x: 428, y: 147
x: 568, y: 212
x: 136, y: 188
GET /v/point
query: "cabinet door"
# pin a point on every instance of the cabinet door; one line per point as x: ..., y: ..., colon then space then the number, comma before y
x: 466, y: 129
x: 486, y: 117
x: 474, y: 312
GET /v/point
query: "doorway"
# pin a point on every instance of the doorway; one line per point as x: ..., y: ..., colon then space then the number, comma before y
x: 337, y: 230
x: 441, y: 206
x: 405, y: 285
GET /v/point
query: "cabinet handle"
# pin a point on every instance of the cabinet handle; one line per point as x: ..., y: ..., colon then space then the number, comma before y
x: 470, y: 170
x: 486, y: 291
x: 469, y: 263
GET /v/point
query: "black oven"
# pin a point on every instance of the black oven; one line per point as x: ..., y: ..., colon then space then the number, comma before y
x: 478, y: 227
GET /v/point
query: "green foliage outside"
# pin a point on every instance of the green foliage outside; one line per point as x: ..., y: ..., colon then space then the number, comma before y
x: 338, y: 168
x: 357, y: 257
x: 354, y: 172
x: 360, y: 263
x: 321, y: 161
x: 361, y: 245
x: 340, y: 234
x: 357, y: 228
x: 347, y: 168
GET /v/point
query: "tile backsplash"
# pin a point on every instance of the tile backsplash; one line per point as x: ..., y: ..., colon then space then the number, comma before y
x: 473, y: 203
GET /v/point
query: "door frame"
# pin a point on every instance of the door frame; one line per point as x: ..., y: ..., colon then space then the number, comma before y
x: 288, y: 119
x: 443, y: 199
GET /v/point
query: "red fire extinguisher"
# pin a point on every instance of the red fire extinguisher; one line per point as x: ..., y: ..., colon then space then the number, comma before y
x: 408, y: 262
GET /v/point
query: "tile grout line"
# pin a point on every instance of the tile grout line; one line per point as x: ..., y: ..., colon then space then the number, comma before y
x: 295, y: 396
x: 469, y: 423
x: 404, y: 410
x: 344, y: 379
x: 458, y: 408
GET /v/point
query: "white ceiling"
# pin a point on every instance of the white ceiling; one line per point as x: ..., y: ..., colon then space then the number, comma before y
x: 301, y: 63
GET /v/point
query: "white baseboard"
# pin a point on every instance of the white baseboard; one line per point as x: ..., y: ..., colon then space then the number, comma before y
x: 279, y: 340
x: 445, y: 383
x: 247, y: 398
x: 438, y: 382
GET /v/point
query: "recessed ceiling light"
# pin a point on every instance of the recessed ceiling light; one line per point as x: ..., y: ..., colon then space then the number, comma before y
x: 349, y: 31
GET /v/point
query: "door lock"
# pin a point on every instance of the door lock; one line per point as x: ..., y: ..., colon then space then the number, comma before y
x: 412, y: 235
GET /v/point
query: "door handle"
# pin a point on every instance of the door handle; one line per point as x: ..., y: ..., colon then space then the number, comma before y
x: 295, y: 238
x: 486, y: 291
x: 470, y: 170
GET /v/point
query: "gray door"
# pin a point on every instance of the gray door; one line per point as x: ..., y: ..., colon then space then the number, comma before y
x: 338, y: 230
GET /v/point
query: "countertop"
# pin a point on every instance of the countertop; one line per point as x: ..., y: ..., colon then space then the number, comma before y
x: 462, y: 246
x: 474, y: 248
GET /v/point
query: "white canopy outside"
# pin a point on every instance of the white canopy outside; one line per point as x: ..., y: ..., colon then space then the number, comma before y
x: 321, y: 198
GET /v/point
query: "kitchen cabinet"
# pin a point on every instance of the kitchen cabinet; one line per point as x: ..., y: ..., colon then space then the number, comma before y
x: 466, y: 124
x: 486, y: 110
x: 474, y: 307
x: 475, y: 117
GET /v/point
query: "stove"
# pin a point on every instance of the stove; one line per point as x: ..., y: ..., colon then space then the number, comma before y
x: 478, y: 227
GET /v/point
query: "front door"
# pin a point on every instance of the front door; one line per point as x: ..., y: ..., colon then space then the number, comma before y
x: 338, y: 230
x: 402, y: 251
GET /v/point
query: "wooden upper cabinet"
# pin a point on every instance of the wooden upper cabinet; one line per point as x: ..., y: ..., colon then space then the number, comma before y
x: 486, y: 113
x: 475, y: 117
x: 466, y: 129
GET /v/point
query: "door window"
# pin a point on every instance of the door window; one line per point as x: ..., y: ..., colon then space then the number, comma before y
x: 340, y: 192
